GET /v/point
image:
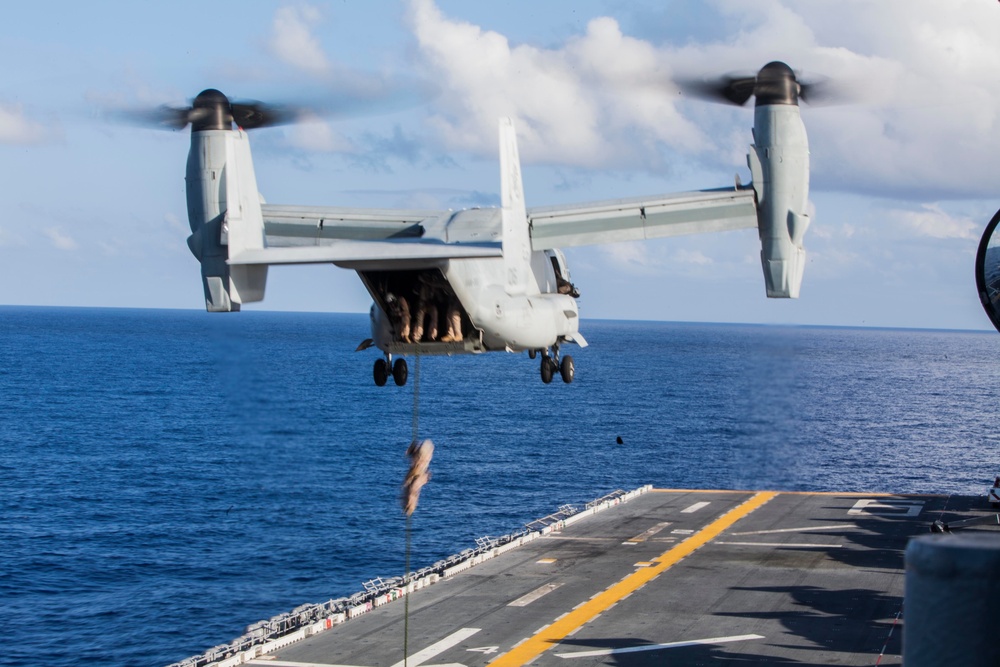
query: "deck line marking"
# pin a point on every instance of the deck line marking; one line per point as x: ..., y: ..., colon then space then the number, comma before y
x: 695, y: 507
x: 528, y: 598
x: 645, y: 535
x: 285, y: 663
x: 542, y: 641
x: 420, y: 657
x: 729, y: 491
x: 801, y: 545
x: 560, y: 536
x: 797, y: 530
x: 656, y: 647
x: 842, y: 494
x: 887, y: 507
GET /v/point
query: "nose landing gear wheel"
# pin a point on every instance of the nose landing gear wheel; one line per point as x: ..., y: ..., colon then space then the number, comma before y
x: 566, y: 369
x: 381, y: 372
x: 399, y: 372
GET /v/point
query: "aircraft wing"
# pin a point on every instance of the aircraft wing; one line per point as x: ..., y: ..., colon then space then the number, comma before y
x: 642, y: 218
x: 313, y: 235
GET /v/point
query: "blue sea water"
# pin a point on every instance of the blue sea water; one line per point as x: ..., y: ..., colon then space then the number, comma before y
x: 169, y: 477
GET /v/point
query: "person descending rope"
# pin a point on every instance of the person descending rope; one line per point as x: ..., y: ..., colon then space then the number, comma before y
x: 420, y: 454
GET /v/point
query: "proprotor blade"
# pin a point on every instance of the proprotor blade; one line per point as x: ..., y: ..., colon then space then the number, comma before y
x: 775, y: 83
x: 251, y: 115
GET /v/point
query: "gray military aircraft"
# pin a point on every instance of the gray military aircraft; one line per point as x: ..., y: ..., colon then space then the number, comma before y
x: 482, y: 279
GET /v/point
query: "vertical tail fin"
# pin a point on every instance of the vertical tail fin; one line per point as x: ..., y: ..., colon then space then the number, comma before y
x: 516, y: 241
x: 225, y: 216
x: 244, y: 221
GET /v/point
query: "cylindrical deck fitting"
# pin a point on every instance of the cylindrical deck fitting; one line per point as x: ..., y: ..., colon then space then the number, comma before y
x: 952, y: 583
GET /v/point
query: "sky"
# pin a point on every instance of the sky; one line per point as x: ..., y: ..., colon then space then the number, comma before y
x: 904, y: 176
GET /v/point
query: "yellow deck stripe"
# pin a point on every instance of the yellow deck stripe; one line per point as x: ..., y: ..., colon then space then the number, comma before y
x: 559, y: 630
x: 848, y: 494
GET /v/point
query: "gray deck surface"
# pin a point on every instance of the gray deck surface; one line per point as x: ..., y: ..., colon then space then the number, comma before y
x: 803, y: 579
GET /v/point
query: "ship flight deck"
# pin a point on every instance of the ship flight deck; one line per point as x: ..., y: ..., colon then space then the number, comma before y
x: 677, y: 577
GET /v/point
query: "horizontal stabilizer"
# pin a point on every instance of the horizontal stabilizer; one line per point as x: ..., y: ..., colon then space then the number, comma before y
x: 363, y: 251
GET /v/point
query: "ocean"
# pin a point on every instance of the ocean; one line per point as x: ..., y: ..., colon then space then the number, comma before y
x: 169, y: 477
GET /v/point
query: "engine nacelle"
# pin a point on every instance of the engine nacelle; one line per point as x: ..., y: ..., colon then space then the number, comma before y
x: 225, y: 216
x: 779, y: 165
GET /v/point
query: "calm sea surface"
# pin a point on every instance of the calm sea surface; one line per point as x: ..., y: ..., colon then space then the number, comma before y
x: 168, y: 477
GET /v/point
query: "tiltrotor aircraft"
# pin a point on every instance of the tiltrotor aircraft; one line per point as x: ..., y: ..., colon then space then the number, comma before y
x: 482, y: 279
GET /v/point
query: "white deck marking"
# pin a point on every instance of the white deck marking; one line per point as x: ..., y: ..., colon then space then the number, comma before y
x: 883, y: 506
x: 528, y: 598
x: 420, y: 657
x: 696, y: 507
x: 797, y: 530
x: 800, y: 545
x: 645, y: 535
x: 264, y: 660
x: 576, y: 537
x: 656, y: 647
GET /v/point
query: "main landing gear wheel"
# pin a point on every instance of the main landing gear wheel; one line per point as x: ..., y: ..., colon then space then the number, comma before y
x: 400, y: 372
x: 552, y: 364
x: 566, y: 369
x: 381, y: 372
x: 548, y: 369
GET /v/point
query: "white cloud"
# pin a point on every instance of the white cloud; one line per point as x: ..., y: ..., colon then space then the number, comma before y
x: 926, y: 126
x: 292, y: 40
x: 567, y: 103
x: 691, y: 257
x: 633, y: 258
x: 16, y: 128
x: 59, y: 239
x: 315, y: 135
x: 932, y: 222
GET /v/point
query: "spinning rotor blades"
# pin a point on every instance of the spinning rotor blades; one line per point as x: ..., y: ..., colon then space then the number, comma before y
x: 211, y: 110
x: 352, y: 95
x: 775, y: 83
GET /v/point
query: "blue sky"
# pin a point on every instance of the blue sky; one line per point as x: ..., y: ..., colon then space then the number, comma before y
x: 903, y: 182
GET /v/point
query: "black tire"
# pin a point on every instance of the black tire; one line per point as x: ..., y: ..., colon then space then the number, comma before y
x: 532, y: 354
x: 381, y: 372
x: 548, y: 369
x: 566, y: 369
x: 400, y: 372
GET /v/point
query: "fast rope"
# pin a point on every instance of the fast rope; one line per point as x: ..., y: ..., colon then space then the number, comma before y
x: 414, y: 432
